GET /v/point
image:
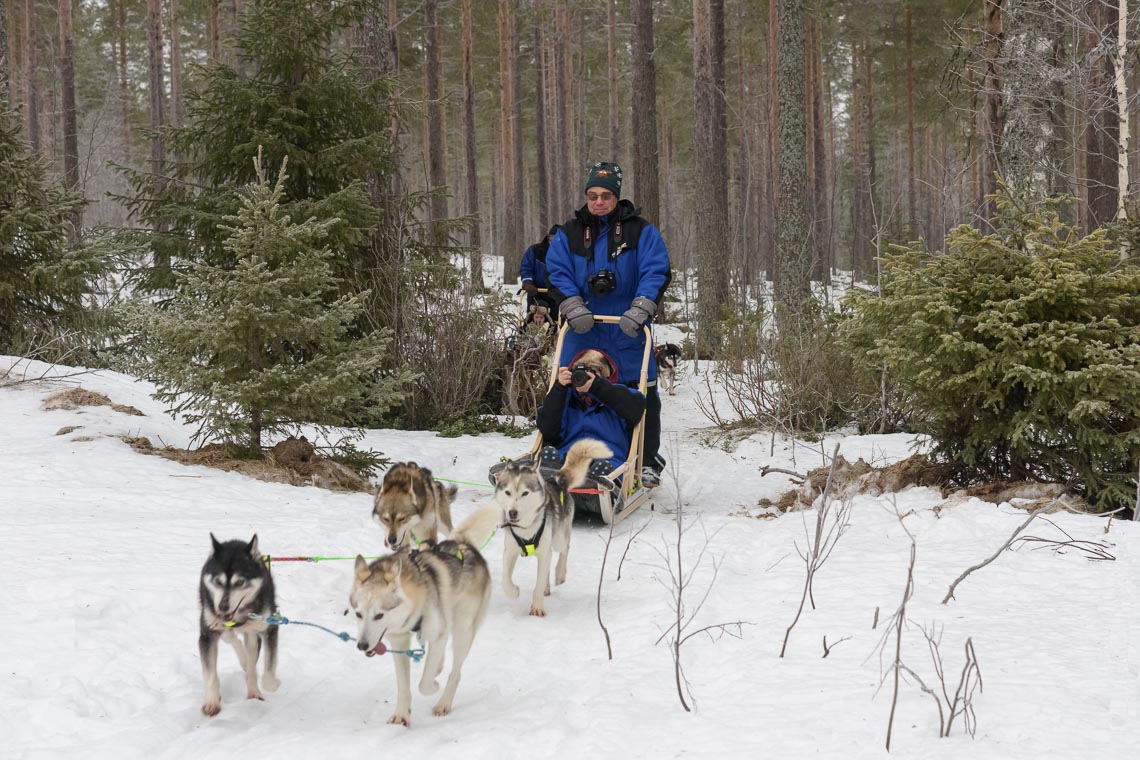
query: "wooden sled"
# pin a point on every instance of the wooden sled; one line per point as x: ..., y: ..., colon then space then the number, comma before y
x: 616, y: 495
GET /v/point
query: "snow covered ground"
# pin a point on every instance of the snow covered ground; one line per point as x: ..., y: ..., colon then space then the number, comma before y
x: 102, y: 547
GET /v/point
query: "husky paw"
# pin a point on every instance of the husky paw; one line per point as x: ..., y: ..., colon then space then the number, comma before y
x: 429, y: 687
x: 537, y: 612
x: 270, y: 682
x: 511, y: 590
x: 400, y: 719
x: 546, y: 591
x: 254, y: 694
x: 211, y: 709
x: 442, y: 708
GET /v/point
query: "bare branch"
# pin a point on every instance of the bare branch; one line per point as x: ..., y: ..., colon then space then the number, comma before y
x: 1004, y: 546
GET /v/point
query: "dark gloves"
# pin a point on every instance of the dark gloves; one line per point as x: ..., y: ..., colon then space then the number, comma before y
x: 634, y: 317
x: 530, y: 287
x: 579, y: 316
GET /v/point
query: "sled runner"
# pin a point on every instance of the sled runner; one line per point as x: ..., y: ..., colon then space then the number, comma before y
x: 617, y: 494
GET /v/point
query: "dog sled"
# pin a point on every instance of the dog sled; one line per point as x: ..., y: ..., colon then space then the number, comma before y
x: 543, y: 300
x: 617, y: 494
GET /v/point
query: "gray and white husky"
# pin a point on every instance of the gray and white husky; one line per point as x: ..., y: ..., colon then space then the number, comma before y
x: 235, y: 582
x: 438, y: 591
x: 539, y: 515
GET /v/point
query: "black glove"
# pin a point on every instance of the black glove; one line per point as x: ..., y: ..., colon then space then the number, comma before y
x: 576, y: 312
x: 530, y: 288
x: 635, y: 316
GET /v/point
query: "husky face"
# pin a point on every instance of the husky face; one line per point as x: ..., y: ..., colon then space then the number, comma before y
x: 521, y: 493
x: 232, y: 578
x: 400, y: 505
x: 380, y: 602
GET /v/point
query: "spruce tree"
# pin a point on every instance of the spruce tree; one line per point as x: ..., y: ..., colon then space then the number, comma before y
x: 293, y: 93
x: 46, y: 282
x: 1019, y: 350
x: 251, y: 348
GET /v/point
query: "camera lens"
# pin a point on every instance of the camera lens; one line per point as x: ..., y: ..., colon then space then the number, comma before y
x: 579, y: 376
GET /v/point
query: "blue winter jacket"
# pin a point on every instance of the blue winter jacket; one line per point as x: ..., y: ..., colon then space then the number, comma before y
x: 534, y: 270
x: 563, y: 419
x: 640, y: 268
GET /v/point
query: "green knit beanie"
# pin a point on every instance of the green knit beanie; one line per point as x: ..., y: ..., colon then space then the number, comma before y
x: 606, y: 175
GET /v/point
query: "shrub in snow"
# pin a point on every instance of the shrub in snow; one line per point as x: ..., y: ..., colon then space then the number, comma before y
x: 46, y: 280
x: 1020, y: 349
x: 257, y: 346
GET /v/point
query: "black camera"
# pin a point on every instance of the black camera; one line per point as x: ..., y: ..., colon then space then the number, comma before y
x: 579, y: 376
x: 602, y: 283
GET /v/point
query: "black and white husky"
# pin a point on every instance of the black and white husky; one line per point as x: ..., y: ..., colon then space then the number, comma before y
x: 539, y: 515
x: 236, y: 582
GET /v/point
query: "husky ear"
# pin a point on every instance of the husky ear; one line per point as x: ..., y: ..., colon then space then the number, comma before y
x: 253, y: 547
x: 362, y: 571
x: 215, y: 546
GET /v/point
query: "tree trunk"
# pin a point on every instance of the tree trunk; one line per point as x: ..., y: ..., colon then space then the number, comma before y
x: 541, y: 149
x: 1125, y: 134
x: 1102, y: 122
x: 31, y: 90
x: 175, y: 65
x: 793, y: 249
x: 821, y: 208
x: 157, y: 88
x: 213, y: 48
x: 508, y: 168
x: 859, y: 204
x: 644, y: 116
x: 911, y: 190
x: 70, y: 122
x: 611, y: 39
x: 567, y: 176
x: 474, y: 239
x: 711, y: 155
x: 993, y: 119
x: 124, y: 88
x: 6, y: 89
x: 517, y: 202
x: 434, y: 127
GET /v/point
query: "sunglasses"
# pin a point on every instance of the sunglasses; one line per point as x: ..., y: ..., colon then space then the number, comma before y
x: 595, y: 197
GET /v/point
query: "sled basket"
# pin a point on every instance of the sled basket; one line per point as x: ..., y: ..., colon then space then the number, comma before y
x: 617, y: 494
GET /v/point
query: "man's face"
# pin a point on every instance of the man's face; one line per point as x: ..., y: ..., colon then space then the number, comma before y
x: 600, y: 201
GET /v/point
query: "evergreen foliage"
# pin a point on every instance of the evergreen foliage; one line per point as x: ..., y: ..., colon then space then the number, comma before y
x: 46, y: 280
x: 256, y: 347
x: 292, y: 93
x: 1020, y: 349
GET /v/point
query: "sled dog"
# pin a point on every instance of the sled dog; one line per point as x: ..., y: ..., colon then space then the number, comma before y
x: 667, y: 356
x: 539, y: 515
x: 235, y: 582
x: 439, y: 591
x: 412, y: 506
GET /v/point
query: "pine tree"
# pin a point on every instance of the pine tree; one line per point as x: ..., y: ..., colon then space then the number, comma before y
x: 44, y: 278
x: 252, y: 349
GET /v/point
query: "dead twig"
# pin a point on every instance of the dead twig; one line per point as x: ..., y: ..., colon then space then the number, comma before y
x: 820, y: 544
x: 1004, y: 546
x: 827, y: 649
x: 632, y: 537
x: 766, y: 470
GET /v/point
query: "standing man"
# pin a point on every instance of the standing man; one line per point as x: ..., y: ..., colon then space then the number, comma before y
x: 533, y: 274
x: 608, y: 260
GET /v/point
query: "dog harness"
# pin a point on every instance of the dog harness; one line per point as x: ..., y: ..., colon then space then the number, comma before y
x: 530, y: 548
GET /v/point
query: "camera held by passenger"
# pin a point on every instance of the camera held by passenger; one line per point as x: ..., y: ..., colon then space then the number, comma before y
x: 579, y: 376
x: 602, y: 283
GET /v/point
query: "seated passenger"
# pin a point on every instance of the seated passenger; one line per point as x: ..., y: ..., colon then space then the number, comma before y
x: 598, y: 406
